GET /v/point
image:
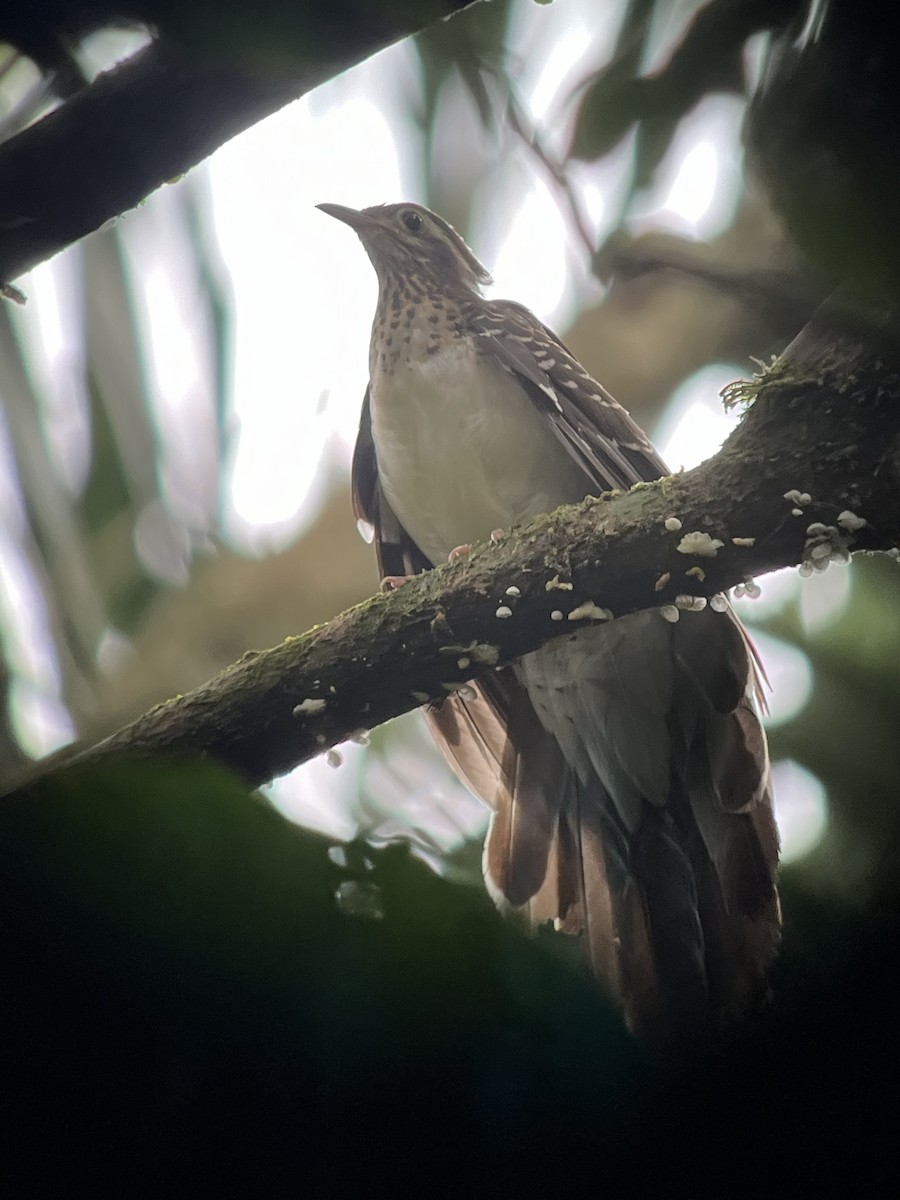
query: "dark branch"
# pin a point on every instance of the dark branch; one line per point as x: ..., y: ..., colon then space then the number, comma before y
x: 159, y: 114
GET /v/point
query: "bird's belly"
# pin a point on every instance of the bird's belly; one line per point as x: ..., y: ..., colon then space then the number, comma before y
x: 462, y: 450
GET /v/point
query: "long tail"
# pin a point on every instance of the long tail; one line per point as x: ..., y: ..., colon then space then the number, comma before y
x: 682, y: 935
x: 667, y: 869
x: 678, y: 908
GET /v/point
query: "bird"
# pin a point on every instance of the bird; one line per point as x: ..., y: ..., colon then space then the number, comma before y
x: 626, y: 766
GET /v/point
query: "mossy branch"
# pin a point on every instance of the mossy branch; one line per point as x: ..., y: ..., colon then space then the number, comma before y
x: 825, y: 421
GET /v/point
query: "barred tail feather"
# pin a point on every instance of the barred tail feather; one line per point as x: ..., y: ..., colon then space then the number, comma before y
x: 680, y: 941
x: 674, y: 898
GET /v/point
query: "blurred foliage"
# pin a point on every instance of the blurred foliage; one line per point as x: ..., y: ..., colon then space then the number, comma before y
x: 82, y: 542
x: 210, y: 958
x: 193, y: 989
x: 823, y: 131
x: 846, y: 733
x: 181, y: 976
x: 708, y: 59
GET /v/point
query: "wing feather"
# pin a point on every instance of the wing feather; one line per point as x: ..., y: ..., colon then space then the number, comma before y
x: 610, y: 447
x: 497, y: 746
x: 395, y: 550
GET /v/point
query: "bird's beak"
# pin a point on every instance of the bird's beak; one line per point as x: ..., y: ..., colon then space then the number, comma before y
x: 350, y: 216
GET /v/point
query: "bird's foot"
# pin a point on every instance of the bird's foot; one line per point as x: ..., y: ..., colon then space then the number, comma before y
x: 391, y: 583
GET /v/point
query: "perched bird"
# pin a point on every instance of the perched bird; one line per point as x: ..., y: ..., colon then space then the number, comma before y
x: 625, y: 766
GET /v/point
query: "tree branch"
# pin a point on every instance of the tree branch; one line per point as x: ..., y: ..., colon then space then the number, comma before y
x: 825, y: 420
x: 165, y: 109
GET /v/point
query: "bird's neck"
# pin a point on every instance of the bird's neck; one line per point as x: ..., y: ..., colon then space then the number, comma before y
x: 414, y: 322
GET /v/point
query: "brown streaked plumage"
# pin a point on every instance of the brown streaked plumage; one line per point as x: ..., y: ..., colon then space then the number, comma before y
x: 625, y: 764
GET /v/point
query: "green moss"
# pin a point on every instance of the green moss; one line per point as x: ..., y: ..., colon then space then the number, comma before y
x: 830, y: 376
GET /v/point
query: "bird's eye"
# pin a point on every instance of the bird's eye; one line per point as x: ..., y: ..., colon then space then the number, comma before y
x: 412, y: 220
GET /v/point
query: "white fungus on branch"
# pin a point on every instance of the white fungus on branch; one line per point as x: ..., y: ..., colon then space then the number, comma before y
x: 850, y: 521
x: 800, y: 499
x: 589, y: 611
x: 700, y: 544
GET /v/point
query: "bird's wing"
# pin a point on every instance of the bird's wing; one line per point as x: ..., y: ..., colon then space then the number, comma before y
x: 395, y: 550
x: 611, y: 449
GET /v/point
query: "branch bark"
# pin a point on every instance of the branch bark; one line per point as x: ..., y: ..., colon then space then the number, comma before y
x: 825, y: 420
x: 161, y: 112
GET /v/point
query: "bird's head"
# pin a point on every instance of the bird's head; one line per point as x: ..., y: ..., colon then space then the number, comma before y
x: 410, y: 241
